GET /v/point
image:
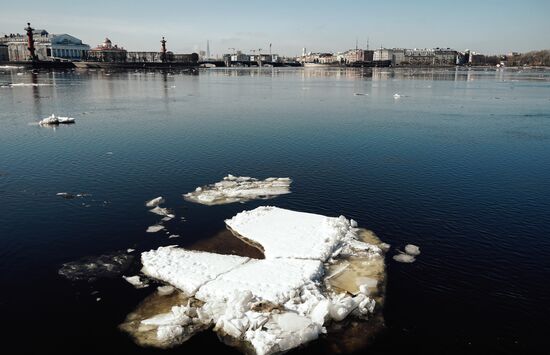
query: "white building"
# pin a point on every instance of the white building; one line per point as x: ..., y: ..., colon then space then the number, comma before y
x: 67, y: 47
x: 47, y: 46
x: 395, y: 55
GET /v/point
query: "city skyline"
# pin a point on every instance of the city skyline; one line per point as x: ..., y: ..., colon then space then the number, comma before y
x: 489, y: 27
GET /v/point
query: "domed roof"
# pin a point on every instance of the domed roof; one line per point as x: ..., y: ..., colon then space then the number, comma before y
x: 107, y: 43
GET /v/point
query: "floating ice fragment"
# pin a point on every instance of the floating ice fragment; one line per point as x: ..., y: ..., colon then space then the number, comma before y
x: 154, y: 229
x: 162, y: 212
x: 239, y: 189
x: 404, y: 258
x: 412, y: 249
x: 66, y: 195
x: 155, y: 202
x: 165, y: 290
x: 56, y: 120
x: 396, y: 96
x: 130, y: 250
x: 174, y: 236
x: 90, y: 268
x: 135, y: 281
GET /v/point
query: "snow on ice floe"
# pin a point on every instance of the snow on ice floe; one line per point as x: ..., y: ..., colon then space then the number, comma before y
x: 154, y: 228
x: 56, y: 120
x: 412, y: 249
x: 290, y: 234
x: 155, y: 202
x: 239, y: 189
x: 186, y: 270
x: 270, y: 305
x: 404, y: 258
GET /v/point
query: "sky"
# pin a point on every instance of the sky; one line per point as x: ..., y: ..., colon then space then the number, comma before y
x: 485, y: 26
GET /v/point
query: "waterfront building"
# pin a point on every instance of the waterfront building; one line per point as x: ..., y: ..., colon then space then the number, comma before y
x: 107, y: 52
x: 394, y: 55
x: 4, y: 54
x: 48, y: 46
x: 356, y: 55
x: 445, y: 56
x: 419, y: 57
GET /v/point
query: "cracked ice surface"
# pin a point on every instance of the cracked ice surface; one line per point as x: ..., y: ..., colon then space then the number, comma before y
x: 187, y: 270
x: 239, y: 189
x: 270, y: 305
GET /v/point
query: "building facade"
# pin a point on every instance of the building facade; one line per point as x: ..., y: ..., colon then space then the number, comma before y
x: 48, y: 46
x: 107, y: 52
x: 4, y: 54
x: 394, y: 55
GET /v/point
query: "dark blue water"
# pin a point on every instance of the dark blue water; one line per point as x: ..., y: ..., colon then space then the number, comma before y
x: 459, y: 165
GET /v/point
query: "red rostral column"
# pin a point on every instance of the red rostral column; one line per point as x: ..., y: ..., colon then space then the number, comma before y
x: 30, y: 30
x: 163, y: 50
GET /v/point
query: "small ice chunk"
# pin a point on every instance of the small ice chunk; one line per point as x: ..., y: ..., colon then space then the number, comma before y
x: 162, y: 212
x: 353, y: 223
x: 396, y: 96
x: 165, y: 290
x: 55, y: 120
x: 155, y: 202
x: 155, y: 228
x: 404, y: 258
x: 135, y: 281
x: 412, y: 249
x: 130, y: 250
x: 66, y: 195
x: 174, y: 236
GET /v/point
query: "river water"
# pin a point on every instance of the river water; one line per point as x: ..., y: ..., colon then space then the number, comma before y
x: 458, y: 164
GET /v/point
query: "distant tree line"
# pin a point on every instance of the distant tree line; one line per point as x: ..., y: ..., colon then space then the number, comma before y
x: 534, y: 58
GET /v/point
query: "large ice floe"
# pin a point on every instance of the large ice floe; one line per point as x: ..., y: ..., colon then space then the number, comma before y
x: 239, y: 189
x: 318, y: 271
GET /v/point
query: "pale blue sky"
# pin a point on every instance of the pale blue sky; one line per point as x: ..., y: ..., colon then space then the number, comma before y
x: 488, y: 26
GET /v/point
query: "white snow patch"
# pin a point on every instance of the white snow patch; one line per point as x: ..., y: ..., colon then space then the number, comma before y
x: 135, y: 281
x: 404, y: 258
x: 56, y: 120
x: 165, y: 290
x: 412, y: 249
x: 272, y: 280
x: 14, y: 85
x: 154, y: 229
x: 239, y: 189
x: 155, y: 202
x: 162, y: 212
x: 185, y: 269
x: 289, y: 234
